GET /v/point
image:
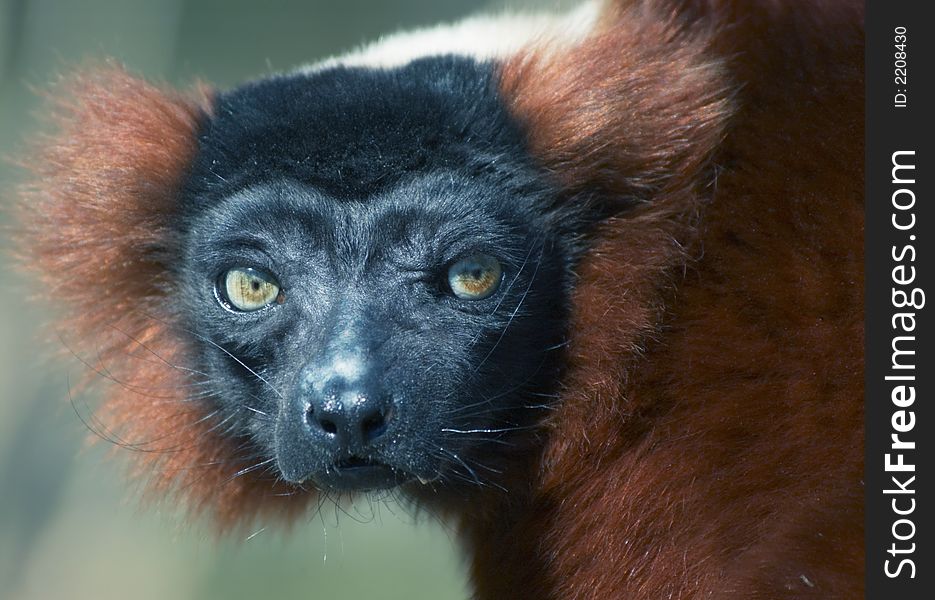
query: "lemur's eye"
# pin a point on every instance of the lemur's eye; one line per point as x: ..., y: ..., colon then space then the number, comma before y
x: 475, y: 277
x: 247, y: 289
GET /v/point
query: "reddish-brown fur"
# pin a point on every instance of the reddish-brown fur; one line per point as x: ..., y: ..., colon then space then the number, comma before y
x: 709, y: 439
x: 93, y: 219
x: 726, y: 460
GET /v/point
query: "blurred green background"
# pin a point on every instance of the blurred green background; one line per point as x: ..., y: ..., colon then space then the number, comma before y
x: 69, y: 525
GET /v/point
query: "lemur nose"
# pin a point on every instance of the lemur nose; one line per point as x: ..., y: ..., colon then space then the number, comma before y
x: 347, y: 406
x: 352, y: 416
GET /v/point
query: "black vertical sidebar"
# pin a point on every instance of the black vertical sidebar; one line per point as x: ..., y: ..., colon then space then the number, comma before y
x: 900, y: 369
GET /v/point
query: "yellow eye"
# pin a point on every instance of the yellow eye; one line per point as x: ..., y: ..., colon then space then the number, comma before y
x: 248, y: 289
x: 475, y: 277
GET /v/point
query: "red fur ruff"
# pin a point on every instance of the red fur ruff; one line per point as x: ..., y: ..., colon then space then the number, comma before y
x: 709, y: 441
x: 97, y: 229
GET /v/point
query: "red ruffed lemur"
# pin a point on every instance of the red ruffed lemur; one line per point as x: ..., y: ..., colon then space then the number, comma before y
x: 590, y: 286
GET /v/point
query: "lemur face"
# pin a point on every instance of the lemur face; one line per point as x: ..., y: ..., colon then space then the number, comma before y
x: 376, y: 293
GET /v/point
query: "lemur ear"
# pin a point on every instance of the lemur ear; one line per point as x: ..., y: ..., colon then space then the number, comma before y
x: 632, y: 112
x: 628, y: 118
x: 96, y: 216
x: 97, y: 228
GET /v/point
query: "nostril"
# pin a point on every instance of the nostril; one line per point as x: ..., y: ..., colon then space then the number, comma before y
x: 373, y: 426
x: 328, y: 426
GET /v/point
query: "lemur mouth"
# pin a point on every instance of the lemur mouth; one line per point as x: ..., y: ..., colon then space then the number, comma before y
x: 356, y: 462
x: 356, y: 473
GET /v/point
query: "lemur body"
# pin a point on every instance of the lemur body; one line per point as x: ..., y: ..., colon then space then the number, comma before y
x: 593, y: 290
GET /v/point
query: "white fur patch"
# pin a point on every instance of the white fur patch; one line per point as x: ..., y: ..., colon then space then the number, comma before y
x: 484, y: 38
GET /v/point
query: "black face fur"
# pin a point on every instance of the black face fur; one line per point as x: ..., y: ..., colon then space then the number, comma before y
x: 355, y: 191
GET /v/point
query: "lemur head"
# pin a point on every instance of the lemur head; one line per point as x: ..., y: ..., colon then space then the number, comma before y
x: 373, y: 272
x: 353, y: 278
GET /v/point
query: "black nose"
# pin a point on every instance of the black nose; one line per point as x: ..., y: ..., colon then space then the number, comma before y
x: 347, y: 410
x: 338, y: 415
x: 352, y: 414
